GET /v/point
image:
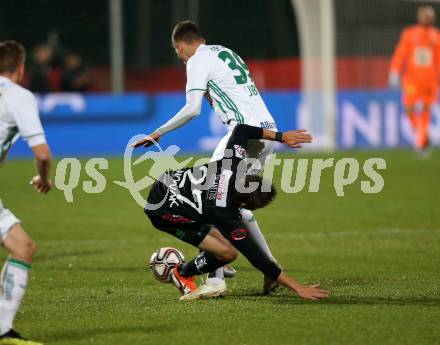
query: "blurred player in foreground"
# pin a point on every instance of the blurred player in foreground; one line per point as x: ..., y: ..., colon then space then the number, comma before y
x: 203, y: 203
x: 416, y: 67
x: 18, y: 116
x: 221, y: 75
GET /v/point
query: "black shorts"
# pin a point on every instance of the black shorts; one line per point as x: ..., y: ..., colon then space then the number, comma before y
x: 184, y: 229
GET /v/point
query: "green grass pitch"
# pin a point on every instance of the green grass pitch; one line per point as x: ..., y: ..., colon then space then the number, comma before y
x: 378, y: 254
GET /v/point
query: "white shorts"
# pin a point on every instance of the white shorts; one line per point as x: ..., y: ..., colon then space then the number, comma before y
x: 257, y: 149
x: 7, y: 220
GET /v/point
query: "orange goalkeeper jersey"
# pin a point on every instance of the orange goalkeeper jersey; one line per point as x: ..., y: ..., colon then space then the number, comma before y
x: 417, y: 55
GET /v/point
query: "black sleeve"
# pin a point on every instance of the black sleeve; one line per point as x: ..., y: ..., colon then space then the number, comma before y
x: 241, y: 134
x: 238, y: 234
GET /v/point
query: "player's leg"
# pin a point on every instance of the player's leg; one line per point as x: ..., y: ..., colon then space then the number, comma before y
x: 215, y: 253
x: 415, y: 121
x: 14, y: 276
x: 412, y: 117
x: 410, y: 96
x: 425, y: 122
x: 255, y: 232
x: 217, y: 277
x: 429, y: 98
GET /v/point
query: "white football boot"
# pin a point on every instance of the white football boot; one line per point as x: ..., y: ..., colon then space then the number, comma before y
x: 206, y: 291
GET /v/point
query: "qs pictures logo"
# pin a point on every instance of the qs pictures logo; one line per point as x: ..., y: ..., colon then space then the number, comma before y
x: 68, y: 171
x: 346, y: 171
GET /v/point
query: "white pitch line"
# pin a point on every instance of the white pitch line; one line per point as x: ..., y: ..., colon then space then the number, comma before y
x: 383, y: 232
x: 92, y: 242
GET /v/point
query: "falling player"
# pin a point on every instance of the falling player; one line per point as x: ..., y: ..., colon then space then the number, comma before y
x: 201, y: 206
x: 222, y: 76
x: 416, y: 67
x: 18, y: 116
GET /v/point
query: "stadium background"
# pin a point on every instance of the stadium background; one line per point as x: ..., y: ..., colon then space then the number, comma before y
x: 367, y: 113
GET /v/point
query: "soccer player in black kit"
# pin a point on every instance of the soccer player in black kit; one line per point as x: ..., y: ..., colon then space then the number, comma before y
x: 201, y: 206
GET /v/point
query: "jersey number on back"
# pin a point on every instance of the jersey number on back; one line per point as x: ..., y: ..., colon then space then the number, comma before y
x: 236, y: 64
x: 197, y: 194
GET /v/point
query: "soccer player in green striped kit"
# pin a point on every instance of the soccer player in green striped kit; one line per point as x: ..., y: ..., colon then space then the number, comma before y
x: 220, y: 75
x: 18, y: 117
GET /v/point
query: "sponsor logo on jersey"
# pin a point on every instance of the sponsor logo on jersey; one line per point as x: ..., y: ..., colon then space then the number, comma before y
x: 173, y: 188
x: 268, y: 125
x: 239, y: 234
x: 240, y: 151
x: 212, y: 192
x: 222, y: 189
x: 177, y: 218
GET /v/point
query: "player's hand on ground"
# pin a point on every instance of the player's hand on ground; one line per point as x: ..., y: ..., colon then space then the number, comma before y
x: 147, y: 141
x: 297, y: 137
x: 313, y: 292
x: 41, y: 186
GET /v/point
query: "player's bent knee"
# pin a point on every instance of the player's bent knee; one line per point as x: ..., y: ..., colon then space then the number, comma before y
x: 229, y: 254
x: 30, y: 248
x: 18, y: 244
x: 24, y: 251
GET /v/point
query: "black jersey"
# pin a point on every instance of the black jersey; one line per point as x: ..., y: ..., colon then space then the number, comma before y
x: 205, y: 194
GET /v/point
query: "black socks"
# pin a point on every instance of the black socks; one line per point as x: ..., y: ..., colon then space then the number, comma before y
x: 202, y: 263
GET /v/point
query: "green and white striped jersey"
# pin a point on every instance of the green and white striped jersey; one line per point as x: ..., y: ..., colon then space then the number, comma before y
x: 18, y: 116
x: 223, y: 74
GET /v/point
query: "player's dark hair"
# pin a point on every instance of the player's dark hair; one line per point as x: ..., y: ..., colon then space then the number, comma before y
x: 187, y: 32
x: 12, y: 55
x: 259, y: 198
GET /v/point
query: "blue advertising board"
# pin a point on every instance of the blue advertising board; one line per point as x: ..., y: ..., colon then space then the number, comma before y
x: 97, y: 125
x: 376, y: 119
x: 102, y: 124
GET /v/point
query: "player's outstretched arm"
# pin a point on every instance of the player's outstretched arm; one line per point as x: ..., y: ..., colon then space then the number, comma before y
x: 190, y: 110
x: 242, y: 133
x: 43, y: 162
x: 313, y: 292
x: 292, y: 138
x: 248, y: 248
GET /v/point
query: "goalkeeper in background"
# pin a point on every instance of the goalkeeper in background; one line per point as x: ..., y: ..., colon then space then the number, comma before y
x: 415, y: 66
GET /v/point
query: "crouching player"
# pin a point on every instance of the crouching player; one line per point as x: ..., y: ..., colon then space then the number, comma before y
x: 183, y: 202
